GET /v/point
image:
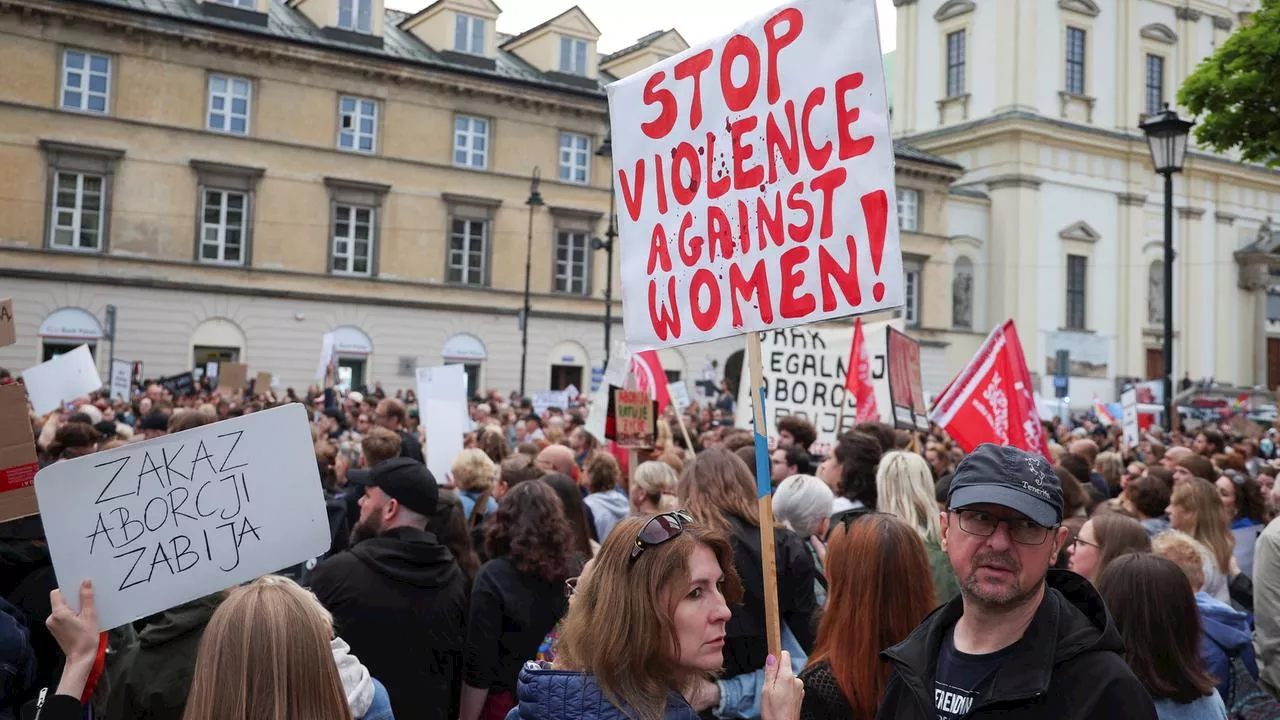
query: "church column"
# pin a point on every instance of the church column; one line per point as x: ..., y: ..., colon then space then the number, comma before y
x: 1131, y: 356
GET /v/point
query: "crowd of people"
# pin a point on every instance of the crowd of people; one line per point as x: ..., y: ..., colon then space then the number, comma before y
x: 553, y: 575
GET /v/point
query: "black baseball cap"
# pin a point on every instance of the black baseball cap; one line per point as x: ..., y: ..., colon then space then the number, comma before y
x: 1016, y: 479
x: 406, y: 480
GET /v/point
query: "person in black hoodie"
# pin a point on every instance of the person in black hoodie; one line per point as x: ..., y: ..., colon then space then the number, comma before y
x: 1021, y: 640
x: 397, y: 596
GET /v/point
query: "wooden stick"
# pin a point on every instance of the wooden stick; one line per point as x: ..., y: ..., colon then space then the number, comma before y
x: 764, y: 494
x: 688, y: 444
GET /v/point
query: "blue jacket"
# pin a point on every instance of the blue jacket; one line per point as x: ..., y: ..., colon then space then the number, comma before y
x: 546, y: 694
x: 1224, y: 632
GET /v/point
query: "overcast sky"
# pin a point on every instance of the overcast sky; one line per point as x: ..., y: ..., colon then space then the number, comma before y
x: 622, y: 22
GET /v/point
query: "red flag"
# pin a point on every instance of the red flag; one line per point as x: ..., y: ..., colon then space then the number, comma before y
x: 650, y: 376
x: 857, y: 378
x: 992, y: 400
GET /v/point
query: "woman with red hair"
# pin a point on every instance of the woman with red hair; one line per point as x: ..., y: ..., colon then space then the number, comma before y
x: 873, y: 561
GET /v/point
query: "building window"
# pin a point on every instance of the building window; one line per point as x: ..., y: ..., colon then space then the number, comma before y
x: 575, y: 157
x: 1155, y: 293
x: 78, y: 202
x: 1075, y: 61
x: 908, y: 209
x: 352, y: 239
x: 86, y: 81
x: 1155, y: 84
x: 467, y: 251
x: 955, y: 63
x: 358, y: 124
x: 571, y: 262
x: 962, y: 294
x: 471, y: 142
x: 1077, y: 266
x: 222, y: 226
x: 229, y: 99
x: 573, y: 56
x: 911, y: 296
x: 356, y: 15
x: 468, y: 34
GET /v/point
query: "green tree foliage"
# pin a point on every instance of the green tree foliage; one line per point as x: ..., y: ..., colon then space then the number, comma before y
x: 1236, y: 91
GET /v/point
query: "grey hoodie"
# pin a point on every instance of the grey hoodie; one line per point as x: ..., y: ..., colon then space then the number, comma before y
x: 608, y: 508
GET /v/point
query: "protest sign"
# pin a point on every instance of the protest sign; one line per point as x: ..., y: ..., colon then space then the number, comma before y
x: 121, y: 379
x: 157, y: 523
x: 233, y: 378
x: 679, y: 393
x: 1129, y: 404
x: 17, y: 455
x: 326, y: 354
x: 804, y: 375
x: 547, y: 399
x: 571, y: 393
x: 634, y: 418
x: 906, y: 388
x: 211, y: 370
x: 442, y: 400
x: 8, y: 334
x: 62, y: 379
x: 755, y: 175
x: 262, y: 383
x: 179, y: 385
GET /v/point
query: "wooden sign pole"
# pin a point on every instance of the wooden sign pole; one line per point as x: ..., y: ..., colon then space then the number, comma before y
x: 688, y: 444
x: 764, y: 488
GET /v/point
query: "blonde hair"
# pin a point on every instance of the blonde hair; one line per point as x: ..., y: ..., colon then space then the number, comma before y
x: 473, y: 470
x: 1185, y: 552
x: 1200, y: 498
x: 1110, y: 466
x: 658, y: 483
x: 265, y: 655
x: 904, y: 488
x: 380, y: 445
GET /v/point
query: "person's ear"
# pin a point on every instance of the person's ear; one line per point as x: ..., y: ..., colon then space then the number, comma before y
x: 943, y: 527
x: 1060, y: 538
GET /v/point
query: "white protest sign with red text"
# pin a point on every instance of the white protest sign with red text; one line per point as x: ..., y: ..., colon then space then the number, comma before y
x: 992, y: 400
x: 755, y: 179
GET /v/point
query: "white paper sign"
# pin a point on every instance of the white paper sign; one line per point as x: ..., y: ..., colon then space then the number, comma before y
x: 619, y: 364
x: 542, y: 401
x: 326, y: 354
x: 121, y: 379
x: 62, y: 379
x: 1129, y: 406
x: 679, y: 393
x: 211, y: 370
x: 571, y: 393
x: 754, y: 177
x: 804, y: 374
x: 442, y: 402
x: 158, y: 523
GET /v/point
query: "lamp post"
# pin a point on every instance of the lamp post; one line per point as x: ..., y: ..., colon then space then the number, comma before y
x: 534, y: 201
x: 606, y: 151
x: 1167, y: 139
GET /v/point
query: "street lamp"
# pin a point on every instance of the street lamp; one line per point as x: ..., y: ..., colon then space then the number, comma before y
x: 1167, y: 139
x: 606, y: 151
x: 534, y: 201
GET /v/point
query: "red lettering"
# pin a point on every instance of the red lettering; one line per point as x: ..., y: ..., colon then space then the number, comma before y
x: 797, y: 202
x: 704, y: 318
x: 633, y: 195
x: 817, y: 156
x: 774, y: 43
x: 791, y: 305
x: 744, y: 228
x: 757, y: 286
x: 693, y: 67
x: 776, y: 145
x: 826, y: 183
x: 835, y: 277
x: 659, y: 253
x: 658, y: 127
x: 737, y: 98
x: 665, y: 318
x: 684, y: 155
x: 692, y: 247
x: 767, y: 224
x: 662, y: 184
x: 715, y: 188
x: 847, y: 116
x: 744, y: 177
x: 718, y: 233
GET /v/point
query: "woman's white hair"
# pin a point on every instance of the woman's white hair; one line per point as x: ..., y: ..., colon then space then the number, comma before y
x: 801, y: 503
x: 904, y: 487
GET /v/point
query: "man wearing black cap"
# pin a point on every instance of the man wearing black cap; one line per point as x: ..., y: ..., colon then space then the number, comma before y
x: 1021, y: 640
x: 397, y: 596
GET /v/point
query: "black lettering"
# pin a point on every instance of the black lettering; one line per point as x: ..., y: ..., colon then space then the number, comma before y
x: 877, y: 364
x: 793, y: 364
x: 199, y: 495
x: 122, y: 513
x: 779, y: 337
x: 146, y: 513
x: 99, y: 529
x: 231, y: 534
x: 810, y: 365
x: 235, y: 487
x: 819, y: 394
x: 168, y: 464
x: 137, y: 555
x: 177, y: 506
x: 780, y: 390
x: 207, y: 552
x: 775, y: 362
x: 227, y: 459
x: 202, y: 453
x: 123, y: 462
x: 186, y: 550
x: 247, y: 528
x: 156, y: 558
x: 799, y: 392
x: 815, y: 337
x: 149, y: 467
x: 797, y: 338
x: 244, y: 483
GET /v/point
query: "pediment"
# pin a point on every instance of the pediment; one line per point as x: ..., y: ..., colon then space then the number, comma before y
x: 954, y: 8
x: 1159, y: 32
x: 575, y: 22
x: 1084, y: 7
x: 1080, y: 231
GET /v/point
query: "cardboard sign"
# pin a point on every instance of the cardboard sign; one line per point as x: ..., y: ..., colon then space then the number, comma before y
x: 804, y: 375
x: 754, y: 177
x: 8, y: 334
x: 679, y: 393
x: 1129, y: 405
x: 326, y: 354
x: 906, y: 389
x: 157, y: 523
x: 121, y: 379
x: 179, y: 385
x: 543, y: 401
x: 17, y: 455
x: 233, y: 378
x: 634, y: 418
x: 262, y: 383
x: 62, y: 379
x: 442, y: 399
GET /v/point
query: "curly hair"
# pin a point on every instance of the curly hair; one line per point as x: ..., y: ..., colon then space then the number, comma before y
x: 603, y: 472
x: 858, y: 454
x: 800, y: 429
x: 531, y: 529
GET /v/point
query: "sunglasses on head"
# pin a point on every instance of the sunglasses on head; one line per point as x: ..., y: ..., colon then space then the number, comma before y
x: 660, y: 529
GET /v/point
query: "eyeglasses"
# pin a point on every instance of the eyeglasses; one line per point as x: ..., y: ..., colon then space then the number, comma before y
x: 571, y: 586
x: 1023, y: 531
x: 660, y: 529
x: 1082, y: 541
x: 847, y: 519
